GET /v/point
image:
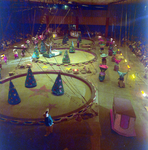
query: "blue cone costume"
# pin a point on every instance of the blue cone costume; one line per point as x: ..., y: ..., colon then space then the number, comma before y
x: 13, y: 97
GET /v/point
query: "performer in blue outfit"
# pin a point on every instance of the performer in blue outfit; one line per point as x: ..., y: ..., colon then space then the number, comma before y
x: 48, y: 123
x: 121, y: 83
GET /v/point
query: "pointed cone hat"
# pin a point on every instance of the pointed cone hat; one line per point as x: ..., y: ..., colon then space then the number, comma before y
x: 72, y: 43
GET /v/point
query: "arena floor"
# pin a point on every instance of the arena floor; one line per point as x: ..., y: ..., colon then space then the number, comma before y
x: 90, y: 134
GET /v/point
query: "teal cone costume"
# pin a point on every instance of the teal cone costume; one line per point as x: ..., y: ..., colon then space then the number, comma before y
x: 57, y: 88
x: 30, y: 80
x: 66, y: 58
x: 43, y: 48
x: 35, y: 53
x: 13, y: 97
x: 72, y: 49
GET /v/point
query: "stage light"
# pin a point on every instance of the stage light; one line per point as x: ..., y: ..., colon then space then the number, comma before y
x: 54, y: 35
x: 65, y: 6
x: 128, y: 67
x: 144, y: 94
x: 133, y: 76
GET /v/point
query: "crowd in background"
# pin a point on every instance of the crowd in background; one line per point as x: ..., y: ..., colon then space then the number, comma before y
x: 140, y: 49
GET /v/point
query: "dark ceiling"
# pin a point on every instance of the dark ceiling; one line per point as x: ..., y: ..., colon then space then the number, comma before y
x: 89, y: 2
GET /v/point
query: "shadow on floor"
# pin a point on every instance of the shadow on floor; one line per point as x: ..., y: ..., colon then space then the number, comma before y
x: 110, y: 140
x: 71, y: 135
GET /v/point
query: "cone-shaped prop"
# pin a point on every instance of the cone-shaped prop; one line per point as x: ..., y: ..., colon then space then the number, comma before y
x: 72, y: 49
x: 43, y: 48
x: 36, y: 52
x: 66, y: 58
x: 57, y: 88
x: 72, y: 44
x: 30, y: 80
x: 13, y: 97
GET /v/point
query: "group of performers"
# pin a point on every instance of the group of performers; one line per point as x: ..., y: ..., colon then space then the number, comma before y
x: 112, y: 51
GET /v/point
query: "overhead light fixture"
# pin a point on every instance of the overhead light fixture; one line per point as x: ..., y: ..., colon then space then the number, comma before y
x: 65, y: 6
x: 99, y: 7
x: 85, y: 5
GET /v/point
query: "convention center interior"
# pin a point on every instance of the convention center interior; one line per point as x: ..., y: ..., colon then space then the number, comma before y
x: 73, y: 75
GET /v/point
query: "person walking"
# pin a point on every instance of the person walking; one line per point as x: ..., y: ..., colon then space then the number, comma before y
x: 48, y: 123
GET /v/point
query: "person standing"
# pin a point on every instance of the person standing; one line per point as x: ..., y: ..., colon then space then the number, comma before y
x: 78, y: 43
x: 48, y: 123
x: 15, y: 53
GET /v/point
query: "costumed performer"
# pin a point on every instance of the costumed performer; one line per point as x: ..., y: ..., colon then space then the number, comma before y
x: 48, y: 123
x: 146, y: 72
x: 114, y: 55
x: 23, y: 50
x: 121, y: 83
x: 110, y: 50
x: 3, y: 57
x: 102, y: 47
x: 27, y: 43
x: 116, y: 66
x: 102, y: 74
x: 103, y: 58
x: 15, y: 53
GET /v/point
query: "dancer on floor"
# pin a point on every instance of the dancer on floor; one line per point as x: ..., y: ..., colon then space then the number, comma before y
x: 121, y: 83
x: 78, y: 43
x: 116, y: 66
x: 48, y: 123
x: 28, y: 43
x: 102, y: 74
x: 114, y: 55
x: 3, y: 57
x: 146, y: 72
x: 104, y: 58
x: 15, y: 53
x: 23, y: 50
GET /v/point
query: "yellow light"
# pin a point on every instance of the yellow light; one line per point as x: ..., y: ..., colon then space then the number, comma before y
x: 121, y: 54
x: 128, y: 66
x: 133, y: 75
x: 125, y: 60
x: 142, y: 92
x: 118, y: 49
x: 54, y: 36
